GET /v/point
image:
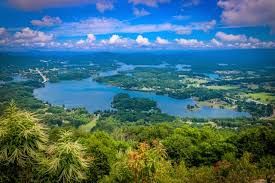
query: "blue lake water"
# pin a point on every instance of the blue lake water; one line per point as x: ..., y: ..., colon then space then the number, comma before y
x: 95, y: 96
x: 212, y: 75
x: 183, y: 67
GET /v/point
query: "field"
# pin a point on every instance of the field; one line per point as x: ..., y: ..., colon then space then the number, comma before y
x: 222, y: 87
x: 89, y: 126
x: 215, y: 103
x: 262, y: 97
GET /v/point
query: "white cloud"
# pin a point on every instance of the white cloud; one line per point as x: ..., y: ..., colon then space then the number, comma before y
x: 252, y: 43
x: 248, y: 12
x: 89, y: 41
x: 190, y: 42
x: 104, y: 5
x: 33, y: 5
x: 188, y: 3
x: 181, y: 17
x: 3, y: 41
x: 266, y: 44
x: 150, y: 3
x: 4, y: 36
x: 239, y: 41
x: 143, y: 28
x: 230, y: 37
x: 68, y: 45
x: 161, y: 41
x: 204, y: 26
x: 80, y: 42
x: 54, y: 44
x: 47, y: 21
x: 83, y: 27
x: 253, y: 40
x: 115, y: 26
x: 91, y: 38
x: 179, y: 29
x: 27, y: 36
x: 140, y: 13
x: 142, y: 41
x: 116, y: 41
x: 3, y: 31
x: 217, y: 43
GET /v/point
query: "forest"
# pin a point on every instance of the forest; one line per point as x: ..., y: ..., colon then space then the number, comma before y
x: 134, y: 141
x: 32, y: 151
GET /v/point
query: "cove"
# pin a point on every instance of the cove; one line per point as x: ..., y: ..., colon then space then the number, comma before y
x: 96, y: 96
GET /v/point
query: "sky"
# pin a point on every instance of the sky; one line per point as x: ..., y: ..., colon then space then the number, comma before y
x: 91, y: 25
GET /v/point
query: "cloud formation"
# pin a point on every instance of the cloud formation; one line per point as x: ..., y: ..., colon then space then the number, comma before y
x: 189, y: 3
x: 34, y: 5
x: 89, y: 42
x: 115, y: 26
x: 32, y: 36
x: 216, y: 43
x: 150, y: 3
x: 104, y: 5
x: 142, y: 41
x: 230, y: 37
x: 2, y: 31
x: 91, y: 38
x: 3, y: 36
x: 193, y: 43
x: 248, y: 12
x: 181, y: 17
x: 140, y: 12
x: 239, y: 41
x: 47, y: 21
x: 161, y: 41
x: 204, y: 26
x: 115, y: 40
x: 29, y: 37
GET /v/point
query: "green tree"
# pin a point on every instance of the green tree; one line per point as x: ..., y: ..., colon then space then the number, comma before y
x: 142, y: 165
x: 259, y: 141
x: 65, y: 162
x: 22, y: 138
x: 242, y: 171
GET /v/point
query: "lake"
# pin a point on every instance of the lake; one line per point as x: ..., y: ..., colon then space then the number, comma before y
x: 96, y: 96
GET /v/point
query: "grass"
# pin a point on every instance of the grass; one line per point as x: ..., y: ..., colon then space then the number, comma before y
x: 195, y: 80
x: 253, y: 86
x: 216, y: 103
x: 223, y: 87
x: 87, y: 127
x: 262, y: 97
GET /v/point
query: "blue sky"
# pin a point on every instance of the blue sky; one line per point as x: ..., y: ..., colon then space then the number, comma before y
x: 136, y: 24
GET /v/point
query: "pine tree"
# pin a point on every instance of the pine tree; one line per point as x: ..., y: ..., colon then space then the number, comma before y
x: 66, y: 161
x: 22, y: 138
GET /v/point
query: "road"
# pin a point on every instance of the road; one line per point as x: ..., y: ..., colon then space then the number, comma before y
x: 45, y: 79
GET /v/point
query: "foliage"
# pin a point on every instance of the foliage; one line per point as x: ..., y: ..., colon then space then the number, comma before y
x: 135, y: 142
x: 160, y: 152
x: 66, y: 161
x: 137, y: 110
x: 22, y: 138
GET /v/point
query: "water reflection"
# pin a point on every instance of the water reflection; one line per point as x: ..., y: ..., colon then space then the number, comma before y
x: 95, y: 96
